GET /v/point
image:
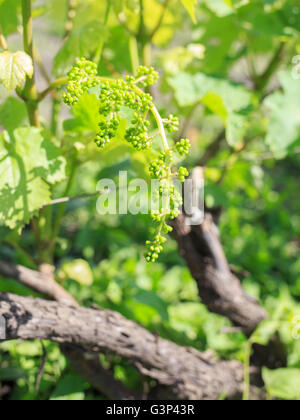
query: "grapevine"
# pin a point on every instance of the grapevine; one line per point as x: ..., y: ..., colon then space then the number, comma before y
x: 128, y: 92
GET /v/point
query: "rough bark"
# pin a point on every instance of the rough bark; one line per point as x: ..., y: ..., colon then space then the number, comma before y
x: 219, y: 289
x: 85, y: 363
x: 186, y: 373
x: 88, y: 366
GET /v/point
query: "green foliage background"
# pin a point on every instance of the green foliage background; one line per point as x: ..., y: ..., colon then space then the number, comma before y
x: 212, y: 56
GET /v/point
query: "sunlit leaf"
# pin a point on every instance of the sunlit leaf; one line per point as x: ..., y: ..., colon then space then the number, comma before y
x: 190, y: 7
x: 220, y: 96
x: 28, y: 162
x: 14, y: 68
x: 284, y: 125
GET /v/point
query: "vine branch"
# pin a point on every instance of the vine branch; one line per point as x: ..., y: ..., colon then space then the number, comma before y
x: 30, y: 91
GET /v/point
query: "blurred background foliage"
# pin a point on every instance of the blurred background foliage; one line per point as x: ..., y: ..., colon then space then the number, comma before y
x: 225, y: 66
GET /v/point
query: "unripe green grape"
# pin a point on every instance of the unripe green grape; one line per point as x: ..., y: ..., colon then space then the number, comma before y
x: 182, y: 174
x: 171, y: 123
x: 183, y: 147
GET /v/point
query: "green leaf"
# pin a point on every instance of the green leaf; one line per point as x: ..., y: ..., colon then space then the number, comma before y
x: 227, y: 100
x: 82, y: 43
x: 265, y: 331
x: 190, y: 7
x: 70, y: 388
x: 220, y: 7
x: 86, y: 115
x: 9, y: 16
x: 11, y: 374
x: 14, y: 67
x: 284, y: 124
x: 152, y: 299
x: 28, y: 162
x: 283, y: 383
x: 12, y: 113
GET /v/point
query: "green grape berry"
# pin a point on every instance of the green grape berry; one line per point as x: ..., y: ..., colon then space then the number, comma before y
x: 183, y: 147
x: 147, y: 76
x: 182, y: 174
x: 155, y: 247
x: 171, y: 123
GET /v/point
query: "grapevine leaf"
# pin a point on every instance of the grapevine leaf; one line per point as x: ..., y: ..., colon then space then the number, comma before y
x: 12, y: 113
x: 86, y: 115
x: 28, y: 162
x: 225, y: 99
x: 283, y: 383
x: 190, y: 7
x: 220, y: 7
x: 69, y: 388
x: 14, y: 67
x: 82, y: 42
x: 9, y: 17
x: 284, y: 126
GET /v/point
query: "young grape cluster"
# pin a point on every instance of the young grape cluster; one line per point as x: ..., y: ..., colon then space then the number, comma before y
x: 127, y: 93
x: 82, y: 77
x: 168, y: 198
x: 117, y: 93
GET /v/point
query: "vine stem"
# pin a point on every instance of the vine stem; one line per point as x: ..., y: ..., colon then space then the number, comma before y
x: 246, y: 394
x: 62, y: 209
x: 54, y: 85
x: 30, y: 91
x: 161, y: 127
x: 29, y: 94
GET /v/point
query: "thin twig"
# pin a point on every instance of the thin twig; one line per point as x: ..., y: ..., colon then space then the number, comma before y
x: 187, y: 121
x: 53, y: 85
x: 68, y: 199
x: 42, y: 369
